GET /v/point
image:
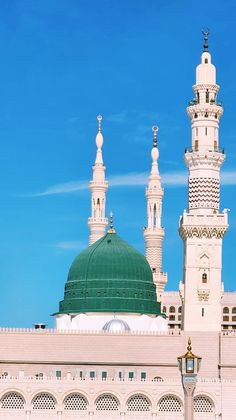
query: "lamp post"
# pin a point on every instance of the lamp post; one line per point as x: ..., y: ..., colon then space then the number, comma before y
x: 189, y: 366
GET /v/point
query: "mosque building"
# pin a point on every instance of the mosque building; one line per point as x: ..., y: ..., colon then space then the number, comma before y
x: 118, y: 333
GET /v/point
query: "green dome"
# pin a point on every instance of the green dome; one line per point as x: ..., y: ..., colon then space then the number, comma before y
x: 110, y: 276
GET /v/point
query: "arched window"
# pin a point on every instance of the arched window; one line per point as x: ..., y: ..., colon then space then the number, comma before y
x: 203, y: 404
x: 12, y: 400
x: 225, y: 310
x: 107, y: 402
x: 207, y: 96
x: 170, y: 404
x: 172, y: 310
x: 204, y: 278
x: 164, y: 309
x: 138, y: 403
x: 155, y: 215
x: 44, y: 401
x: 234, y: 310
x: 75, y: 402
x: 180, y: 309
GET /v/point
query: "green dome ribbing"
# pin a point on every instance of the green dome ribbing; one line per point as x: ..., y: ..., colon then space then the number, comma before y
x: 110, y: 276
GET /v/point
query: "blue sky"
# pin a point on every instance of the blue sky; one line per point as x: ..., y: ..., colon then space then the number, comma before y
x: 62, y: 63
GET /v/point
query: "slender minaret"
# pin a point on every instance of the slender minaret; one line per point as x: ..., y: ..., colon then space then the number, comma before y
x: 98, y: 222
x: 154, y: 232
x: 203, y: 227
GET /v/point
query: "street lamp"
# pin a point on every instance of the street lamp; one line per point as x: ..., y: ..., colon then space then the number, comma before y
x: 189, y: 366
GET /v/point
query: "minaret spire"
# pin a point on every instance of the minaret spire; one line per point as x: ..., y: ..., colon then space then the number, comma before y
x: 98, y: 222
x: 203, y: 226
x: 154, y: 233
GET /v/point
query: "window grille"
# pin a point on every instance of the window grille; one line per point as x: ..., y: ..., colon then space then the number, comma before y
x: 107, y: 402
x: 170, y: 404
x: 76, y: 402
x: 44, y: 402
x: 12, y: 400
x: 138, y: 403
x: 202, y: 404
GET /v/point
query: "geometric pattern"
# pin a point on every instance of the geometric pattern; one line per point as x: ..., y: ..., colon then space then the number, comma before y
x: 170, y: 404
x: 44, y: 402
x: 75, y: 402
x: 138, y: 403
x: 12, y: 400
x: 202, y: 405
x: 107, y: 402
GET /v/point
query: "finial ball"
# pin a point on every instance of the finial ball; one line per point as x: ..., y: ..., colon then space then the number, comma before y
x: 155, y: 154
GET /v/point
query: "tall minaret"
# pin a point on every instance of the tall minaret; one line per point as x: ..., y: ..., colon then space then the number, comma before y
x: 98, y: 222
x: 203, y: 227
x: 154, y: 232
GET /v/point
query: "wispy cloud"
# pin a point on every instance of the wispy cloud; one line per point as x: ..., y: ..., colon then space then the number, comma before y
x: 132, y: 179
x: 228, y: 178
x: 71, y: 245
x: 66, y: 187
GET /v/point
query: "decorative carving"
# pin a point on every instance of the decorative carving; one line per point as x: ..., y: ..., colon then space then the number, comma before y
x: 202, y: 232
x: 207, y: 159
x: 203, y: 295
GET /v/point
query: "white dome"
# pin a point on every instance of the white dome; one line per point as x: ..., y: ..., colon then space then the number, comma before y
x: 116, y: 325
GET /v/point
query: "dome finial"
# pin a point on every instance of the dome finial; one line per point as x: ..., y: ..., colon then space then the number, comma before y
x: 155, y: 152
x: 99, y: 136
x: 155, y: 130
x: 99, y: 118
x: 205, y: 34
x: 111, y: 228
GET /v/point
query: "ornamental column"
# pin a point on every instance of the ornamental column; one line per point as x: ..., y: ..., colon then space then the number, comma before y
x: 203, y: 226
x: 154, y: 232
x: 98, y: 186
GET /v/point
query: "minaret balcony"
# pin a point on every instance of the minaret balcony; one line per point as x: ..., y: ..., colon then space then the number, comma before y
x: 219, y: 219
x: 203, y: 225
x: 98, y: 220
x: 212, y: 110
x: 215, y: 150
